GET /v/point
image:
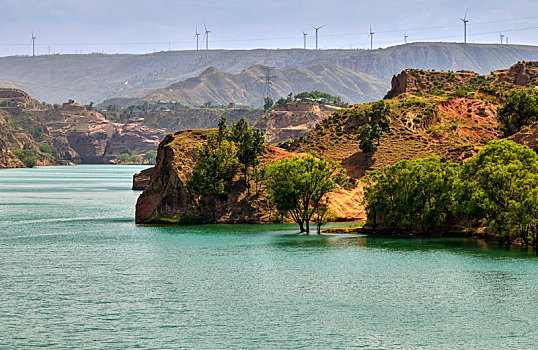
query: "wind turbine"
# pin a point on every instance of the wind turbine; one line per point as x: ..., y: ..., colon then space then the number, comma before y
x: 405, y: 38
x: 507, y: 40
x: 371, y: 35
x: 304, y: 39
x: 206, y: 35
x: 501, y: 35
x: 197, y: 36
x: 465, y: 20
x: 317, y: 28
x: 33, y: 42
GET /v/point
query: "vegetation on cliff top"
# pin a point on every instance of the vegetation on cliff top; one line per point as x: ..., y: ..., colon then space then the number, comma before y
x: 219, y: 159
x: 314, y: 97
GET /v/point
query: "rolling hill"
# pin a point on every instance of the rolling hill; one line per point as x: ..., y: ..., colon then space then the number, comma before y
x: 97, y: 77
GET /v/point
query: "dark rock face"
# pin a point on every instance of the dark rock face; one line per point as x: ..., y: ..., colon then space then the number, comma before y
x: 166, y: 198
x: 141, y: 179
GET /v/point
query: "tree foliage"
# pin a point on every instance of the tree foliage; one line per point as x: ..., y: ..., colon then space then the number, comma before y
x: 28, y: 155
x: 268, y: 102
x: 411, y: 195
x: 499, y: 186
x: 250, y: 146
x: 297, y: 186
x: 216, y: 164
x: 221, y: 157
x: 150, y: 157
x: 376, y: 123
x: 519, y: 110
x: 498, y: 189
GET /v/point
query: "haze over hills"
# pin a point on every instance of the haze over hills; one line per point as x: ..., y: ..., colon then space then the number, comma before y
x: 97, y: 77
x: 247, y: 88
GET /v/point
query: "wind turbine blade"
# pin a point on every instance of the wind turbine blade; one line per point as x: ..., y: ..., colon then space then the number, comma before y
x: 465, y: 17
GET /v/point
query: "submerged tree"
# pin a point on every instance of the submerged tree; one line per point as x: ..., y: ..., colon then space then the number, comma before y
x: 298, y: 185
x: 410, y: 195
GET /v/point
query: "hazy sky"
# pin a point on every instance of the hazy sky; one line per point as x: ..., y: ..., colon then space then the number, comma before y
x: 122, y: 26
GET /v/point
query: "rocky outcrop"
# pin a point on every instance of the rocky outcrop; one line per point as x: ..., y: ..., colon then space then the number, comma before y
x: 522, y: 73
x: 528, y: 137
x: 82, y: 136
x: 141, y: 179
x: 419, y: 81
x: 167, y: 200
x: 286, y: 121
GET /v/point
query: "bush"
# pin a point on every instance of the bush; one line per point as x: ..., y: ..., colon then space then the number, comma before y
x: 519, y: 110
x: 411, y: 195
x: 27, y: 155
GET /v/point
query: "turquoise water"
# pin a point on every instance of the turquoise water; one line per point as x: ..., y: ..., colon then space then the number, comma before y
x: 76, y: 272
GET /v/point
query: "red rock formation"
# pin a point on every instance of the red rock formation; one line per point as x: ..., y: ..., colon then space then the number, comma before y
x: 419, y: 81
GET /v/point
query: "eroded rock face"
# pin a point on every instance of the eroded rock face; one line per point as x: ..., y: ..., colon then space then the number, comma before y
x: 141, y: 179
x: 522, y: 73
x: 527, y: 137
x: 414, y: 80
x: 167, y: 200
x: 292, y: 120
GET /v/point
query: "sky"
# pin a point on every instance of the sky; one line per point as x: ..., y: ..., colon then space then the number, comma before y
x: 135, y: 26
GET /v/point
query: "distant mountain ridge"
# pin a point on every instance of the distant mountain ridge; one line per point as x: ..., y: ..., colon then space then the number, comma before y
x: 97, y: 77
x: 247, y: 87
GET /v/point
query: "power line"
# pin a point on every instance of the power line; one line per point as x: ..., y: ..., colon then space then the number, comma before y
x: 286, y: 38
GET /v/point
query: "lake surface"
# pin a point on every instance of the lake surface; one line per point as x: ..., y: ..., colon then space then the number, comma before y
x: 76, y: 272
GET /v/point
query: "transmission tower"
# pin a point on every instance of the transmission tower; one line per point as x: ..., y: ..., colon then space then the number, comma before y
x: 268, y: 80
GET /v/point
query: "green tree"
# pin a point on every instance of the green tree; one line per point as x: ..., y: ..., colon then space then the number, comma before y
x: 498, y: 187
x: 150, y: 157
x: 126, y: 151
x: 216, y: 165
x: 223, y: 132
x: 46, y: 148
x: 268, y: 102
x: 250, y: 146
x: 297, y: 185
x: 377, y: 122
x: 366, y: 139
x: 411, y: 195
x: 27, y: 155
x: 322, y: 214
x: 378, y: 115
x: 519, y: 110
x: 124, y: 158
